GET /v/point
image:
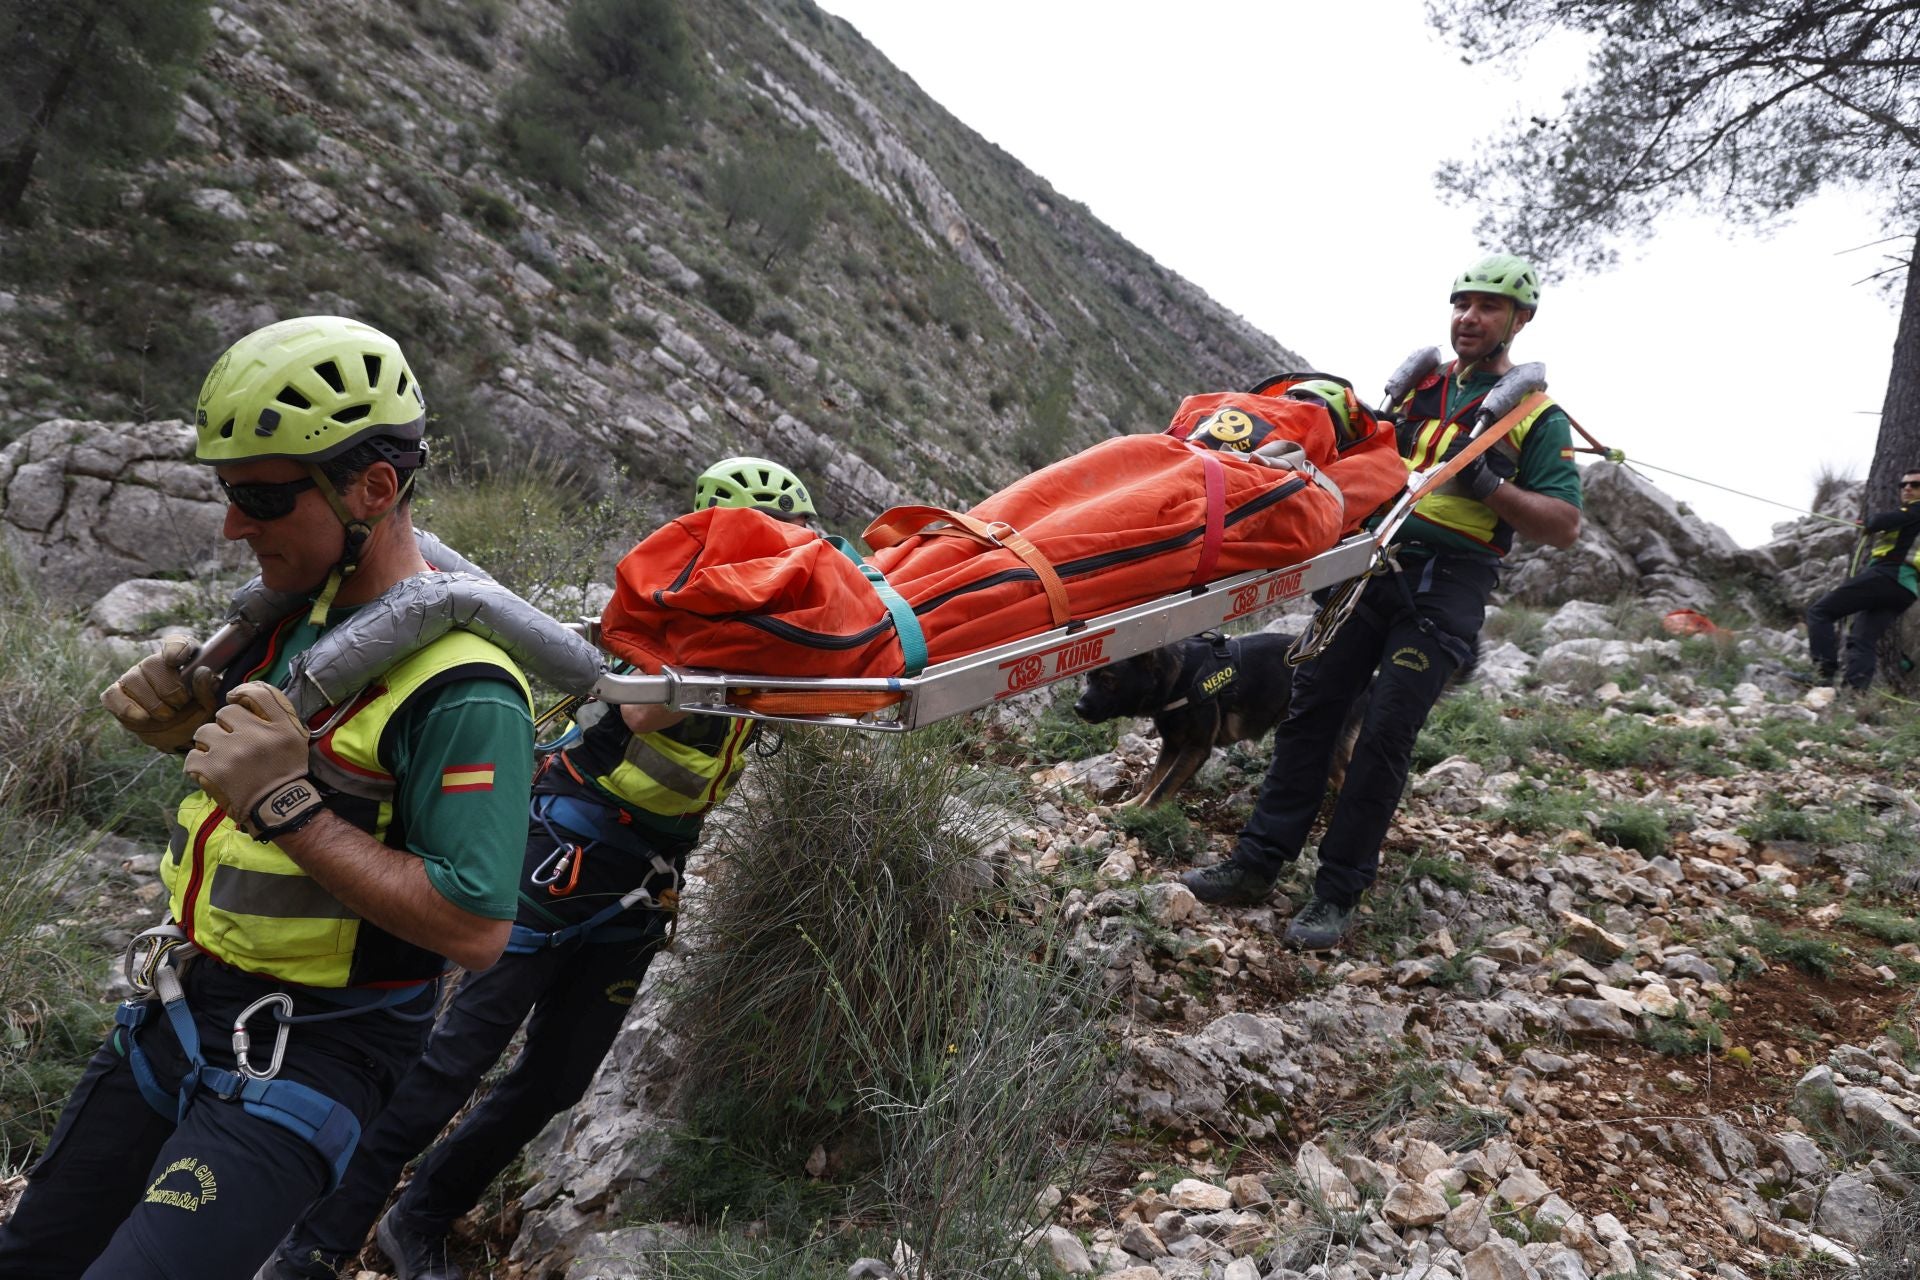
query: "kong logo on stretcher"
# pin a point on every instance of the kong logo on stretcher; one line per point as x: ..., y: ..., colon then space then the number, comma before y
x: 1082, y: 653
x: 1261, y: 592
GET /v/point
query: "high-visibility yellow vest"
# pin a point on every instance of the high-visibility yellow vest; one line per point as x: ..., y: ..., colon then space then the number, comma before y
x: 1431, y: 438
x: 1888, y: 551
x: 247, y: 903
x: 677, y: 772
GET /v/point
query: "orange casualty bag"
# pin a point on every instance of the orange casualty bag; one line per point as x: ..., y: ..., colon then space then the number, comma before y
x: 1126, y: 521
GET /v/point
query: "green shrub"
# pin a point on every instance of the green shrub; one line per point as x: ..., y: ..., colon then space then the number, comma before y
x: 530, y: 523
x: 731, y: 299
x: 1547, y: 812
x: 593, y: 339
x: 1058, y: 734
x: 855, y: 985
x: 490, y: 209
x: 1893, y: 926
x: 1681, y: 1036
x: 1635, y: 826
x: 1802, y: 950
x: 1442, y: 871
x: 1464, y: 725
x: 1162, y: 831
x: 274, y: 134
x: 65, y: 770
x: 412, y: 248
x: 616, y: 74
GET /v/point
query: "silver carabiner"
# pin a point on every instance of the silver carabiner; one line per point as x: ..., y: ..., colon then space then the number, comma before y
x: 556, y: 865
x: 243, y: 1039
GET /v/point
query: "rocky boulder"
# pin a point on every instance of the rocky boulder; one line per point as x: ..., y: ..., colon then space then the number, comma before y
x: 85, y: 505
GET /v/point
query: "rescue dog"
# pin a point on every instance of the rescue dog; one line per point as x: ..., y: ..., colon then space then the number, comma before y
x: 1203, y: 692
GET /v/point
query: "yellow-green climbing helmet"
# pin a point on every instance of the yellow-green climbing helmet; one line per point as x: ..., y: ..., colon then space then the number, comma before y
x: 752, y: 482
x: 308, y: 389
x: 1335, y: 395
x: 1504, y: 275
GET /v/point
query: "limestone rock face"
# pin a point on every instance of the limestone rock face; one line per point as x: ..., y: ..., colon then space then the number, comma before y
x: 86, y: 505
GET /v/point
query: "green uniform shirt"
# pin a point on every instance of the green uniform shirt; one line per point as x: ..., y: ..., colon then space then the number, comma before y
x: 462, y: 755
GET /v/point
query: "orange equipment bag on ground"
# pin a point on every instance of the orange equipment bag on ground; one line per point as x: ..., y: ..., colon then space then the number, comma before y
x: 1126, y: 521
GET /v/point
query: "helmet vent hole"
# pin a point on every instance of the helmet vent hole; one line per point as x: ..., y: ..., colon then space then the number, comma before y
x: 352, y: 413
x: 331, y: 373
x: 400, y: 387
x: 226, y: 429
x: 291, y: 397
x: 373, y: 369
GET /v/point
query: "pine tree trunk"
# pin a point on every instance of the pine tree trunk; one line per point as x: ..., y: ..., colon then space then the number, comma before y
x: 1898, y: 449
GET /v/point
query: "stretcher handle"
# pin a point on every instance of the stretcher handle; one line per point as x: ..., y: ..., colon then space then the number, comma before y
x: 896, y: 524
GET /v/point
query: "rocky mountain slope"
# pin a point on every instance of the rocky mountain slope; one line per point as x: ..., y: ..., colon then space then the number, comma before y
x: 1636, y: 994
x: 951, y: 321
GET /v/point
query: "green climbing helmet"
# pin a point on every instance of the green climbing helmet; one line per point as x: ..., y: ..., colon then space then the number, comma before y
x: 1335, y: 395
x: 752, y: 482
x: 1502, y: 274
x: 307, y: 389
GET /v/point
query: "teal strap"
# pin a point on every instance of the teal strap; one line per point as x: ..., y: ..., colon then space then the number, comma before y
x: 913, y: 642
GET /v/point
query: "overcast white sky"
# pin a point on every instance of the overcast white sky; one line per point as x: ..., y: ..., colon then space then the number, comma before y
x: 1280, y: 155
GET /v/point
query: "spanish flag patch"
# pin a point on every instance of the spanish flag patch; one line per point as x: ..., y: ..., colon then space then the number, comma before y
x: 467, y: 777
x: 1567, y: 454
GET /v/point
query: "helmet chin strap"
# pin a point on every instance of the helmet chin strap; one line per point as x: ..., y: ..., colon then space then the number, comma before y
x: 357, y: 530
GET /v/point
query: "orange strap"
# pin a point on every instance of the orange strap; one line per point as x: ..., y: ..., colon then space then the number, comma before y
x: 1494, y: 433
x: 897, y: 524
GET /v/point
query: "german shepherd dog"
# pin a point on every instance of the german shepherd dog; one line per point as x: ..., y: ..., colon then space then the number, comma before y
x: 1206, y: 691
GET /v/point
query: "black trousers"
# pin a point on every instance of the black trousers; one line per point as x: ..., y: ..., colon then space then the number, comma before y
x: 1874, y: 600
x: 123, y: 1193
x: 1407, y: 653
x: 577, y: 994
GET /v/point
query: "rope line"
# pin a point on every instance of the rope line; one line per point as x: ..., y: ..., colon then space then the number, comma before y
x: 1850, y: 524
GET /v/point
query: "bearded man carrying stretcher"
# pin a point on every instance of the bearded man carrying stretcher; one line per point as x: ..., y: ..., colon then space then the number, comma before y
x: 1415, y: 625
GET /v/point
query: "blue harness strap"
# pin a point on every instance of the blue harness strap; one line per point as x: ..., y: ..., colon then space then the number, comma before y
x: 600, y: 824
x: 597, y: 822
x: 324, y: 1124
x: 525, y: 939
x: 906, y: 623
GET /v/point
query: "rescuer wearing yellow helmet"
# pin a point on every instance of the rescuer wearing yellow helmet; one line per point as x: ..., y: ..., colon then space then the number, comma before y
x: 618, y: 805
x: 322, y: 874
x: 1415, y: 626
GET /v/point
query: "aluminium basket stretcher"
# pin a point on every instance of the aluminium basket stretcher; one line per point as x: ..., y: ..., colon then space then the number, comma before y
x: 890, y: 703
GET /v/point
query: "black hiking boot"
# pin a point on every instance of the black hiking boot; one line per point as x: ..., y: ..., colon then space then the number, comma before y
x: 1228, y: 884
x: 414, y: 1255
x: 1319, y: 926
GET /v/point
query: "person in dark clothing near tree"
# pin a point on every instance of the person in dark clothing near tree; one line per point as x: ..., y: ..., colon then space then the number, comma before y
x: 614, y: 816
x: 1874, y: 598
x: 1415, y: 625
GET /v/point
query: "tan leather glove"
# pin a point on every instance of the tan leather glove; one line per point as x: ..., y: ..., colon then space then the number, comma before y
x: 154, y: 702
x: 252, y: 759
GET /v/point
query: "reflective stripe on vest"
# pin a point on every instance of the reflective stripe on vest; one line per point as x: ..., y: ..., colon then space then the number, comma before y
x: 1886, y: 545
x: 1456, y: 511
x: 248, y: 903
x: 664, y: 773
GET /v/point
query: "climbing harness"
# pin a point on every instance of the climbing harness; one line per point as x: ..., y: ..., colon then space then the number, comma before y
x: 151, y: 964
x: 563, y: 817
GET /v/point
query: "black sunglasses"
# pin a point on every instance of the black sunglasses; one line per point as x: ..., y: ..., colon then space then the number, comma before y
x: 1910, y: 484
x: 266, y: 501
